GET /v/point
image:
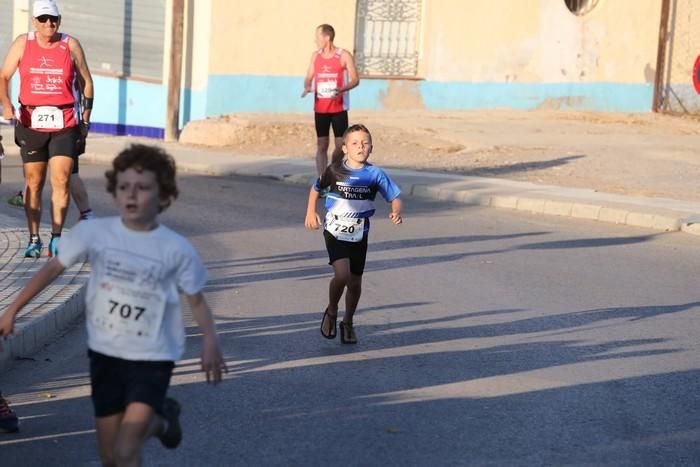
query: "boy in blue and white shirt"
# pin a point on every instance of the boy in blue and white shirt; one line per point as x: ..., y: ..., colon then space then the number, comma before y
x: 352, y: 184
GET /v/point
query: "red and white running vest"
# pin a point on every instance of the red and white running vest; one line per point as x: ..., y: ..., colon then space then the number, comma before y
x: 47, y: 86
x: 329, y: 75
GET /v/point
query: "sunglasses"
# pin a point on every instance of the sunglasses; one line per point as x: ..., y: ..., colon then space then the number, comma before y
x: 45, y: 18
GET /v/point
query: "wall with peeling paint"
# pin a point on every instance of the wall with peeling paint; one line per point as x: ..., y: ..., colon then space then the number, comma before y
x: 541, y: 41
x: 522, y: 54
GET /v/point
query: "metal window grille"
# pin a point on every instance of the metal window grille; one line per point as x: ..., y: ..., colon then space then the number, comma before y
x: 387, y: 36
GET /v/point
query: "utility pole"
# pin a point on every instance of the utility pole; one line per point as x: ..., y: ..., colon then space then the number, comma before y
x: 172, y: 118
x: 661, y: 55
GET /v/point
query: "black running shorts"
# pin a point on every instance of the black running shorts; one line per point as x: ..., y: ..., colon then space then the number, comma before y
x: 356, y: 252
x: 116, y: 383
x: 339, y: 121
x: 40, y: 146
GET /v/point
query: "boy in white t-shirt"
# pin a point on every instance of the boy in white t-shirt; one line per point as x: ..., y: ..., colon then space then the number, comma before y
x: 133, y: 316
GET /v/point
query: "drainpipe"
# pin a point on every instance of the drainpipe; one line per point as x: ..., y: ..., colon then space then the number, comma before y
x: 661, y: 55
x: 172, y: 117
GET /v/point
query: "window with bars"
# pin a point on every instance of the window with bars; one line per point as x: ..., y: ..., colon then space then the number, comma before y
x: 387, y: 37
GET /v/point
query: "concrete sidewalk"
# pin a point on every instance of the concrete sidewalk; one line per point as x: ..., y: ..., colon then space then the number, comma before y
x: 50, y: 312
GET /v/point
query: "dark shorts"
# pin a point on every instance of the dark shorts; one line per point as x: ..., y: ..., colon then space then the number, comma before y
x: 339, y: 121
x: 356, y: 252
x: 40, y: 146
x: 116, y: 383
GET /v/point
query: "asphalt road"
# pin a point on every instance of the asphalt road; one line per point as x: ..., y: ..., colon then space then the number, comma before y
x: 487, y: 337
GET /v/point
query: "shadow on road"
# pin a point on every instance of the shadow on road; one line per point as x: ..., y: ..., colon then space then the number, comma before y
x: 433, y: 391
x: 230, y: 274
x: 499, y: 170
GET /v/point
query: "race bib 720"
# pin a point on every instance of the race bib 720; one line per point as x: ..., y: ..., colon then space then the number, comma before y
x: 327, y: 89
x: 346, y: 229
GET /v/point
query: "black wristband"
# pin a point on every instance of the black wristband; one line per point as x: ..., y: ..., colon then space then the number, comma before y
x: 87, y: 103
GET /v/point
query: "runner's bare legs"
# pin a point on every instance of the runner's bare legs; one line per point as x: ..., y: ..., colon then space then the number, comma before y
x: 338, y: 152
x: 322, y: 154
x: 34, y: 179
x: 323, y: 142
x: 60, y: 169
x: 79, y: 193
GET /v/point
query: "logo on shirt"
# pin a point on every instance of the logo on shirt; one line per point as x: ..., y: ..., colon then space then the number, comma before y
x: 350, y: 191
x: 45, y: 62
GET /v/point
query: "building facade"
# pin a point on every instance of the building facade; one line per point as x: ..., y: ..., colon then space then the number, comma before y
x: 243, y: 56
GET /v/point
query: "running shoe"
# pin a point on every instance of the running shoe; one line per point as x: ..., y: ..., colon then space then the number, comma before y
x: 86, y: 215
x: 53, y: 247
x: 171, y: 436
x: 8, y: 419
x: 16, y: 200
x: 33, y: 250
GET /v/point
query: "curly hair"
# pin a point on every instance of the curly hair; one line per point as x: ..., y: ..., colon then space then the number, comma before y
x: 142, y: 157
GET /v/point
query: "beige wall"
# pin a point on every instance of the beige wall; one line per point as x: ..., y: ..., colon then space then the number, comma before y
x: 490, y: 41
x: 21, y: 17
x: 273, y: 37
x: 684, y: 46
x: 540, y: 41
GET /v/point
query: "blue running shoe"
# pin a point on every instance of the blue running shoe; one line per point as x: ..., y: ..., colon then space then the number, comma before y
x: 33, y: 250
x: 86, y: 215
x: 53, y: 246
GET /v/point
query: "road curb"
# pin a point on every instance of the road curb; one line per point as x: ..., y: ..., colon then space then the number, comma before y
x: 561, y: 208
x: 532, y: 199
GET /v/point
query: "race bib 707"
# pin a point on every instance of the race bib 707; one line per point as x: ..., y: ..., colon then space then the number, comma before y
x: 129, y: 300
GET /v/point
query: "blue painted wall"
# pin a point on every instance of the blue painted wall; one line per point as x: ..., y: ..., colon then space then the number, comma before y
x: 138, y: 108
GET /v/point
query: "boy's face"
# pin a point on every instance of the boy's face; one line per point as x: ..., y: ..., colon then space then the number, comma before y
x: 357, y: 146
x: 138, y: 198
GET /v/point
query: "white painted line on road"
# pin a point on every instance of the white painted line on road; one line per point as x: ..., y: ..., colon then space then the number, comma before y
x: 45, y: 437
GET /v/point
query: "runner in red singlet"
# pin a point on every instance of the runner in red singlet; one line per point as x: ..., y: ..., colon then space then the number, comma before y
x: 50, y: 121
x: 333, y: 73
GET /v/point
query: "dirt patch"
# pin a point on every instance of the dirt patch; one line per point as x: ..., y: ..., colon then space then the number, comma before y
x: 639, y: 154
x: 261, y: 134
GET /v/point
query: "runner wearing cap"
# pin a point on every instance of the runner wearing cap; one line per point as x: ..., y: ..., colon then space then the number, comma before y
x: 50, y: 121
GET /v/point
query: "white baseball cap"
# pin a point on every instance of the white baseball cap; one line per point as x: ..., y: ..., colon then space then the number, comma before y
x: 45, y: 7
